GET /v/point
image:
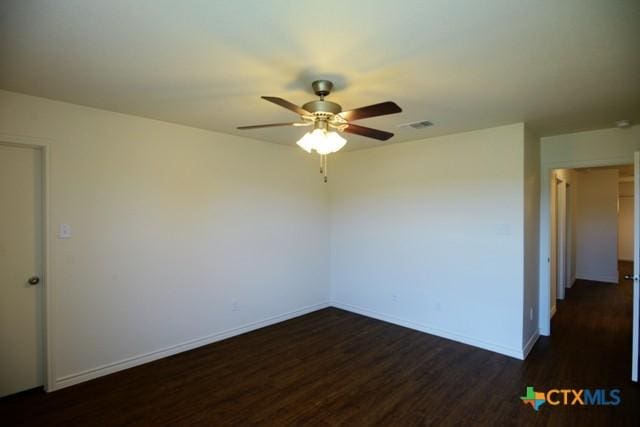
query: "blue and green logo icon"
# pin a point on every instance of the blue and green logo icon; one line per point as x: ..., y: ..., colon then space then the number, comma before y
x: 533, y: 398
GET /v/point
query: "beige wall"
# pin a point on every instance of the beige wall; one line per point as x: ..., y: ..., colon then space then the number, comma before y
x: 430, y: 234
x: 610, y: 145
x: 171, y: 225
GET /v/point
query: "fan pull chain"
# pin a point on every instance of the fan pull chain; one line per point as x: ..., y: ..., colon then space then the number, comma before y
x: 325, y: 168
x: 321, y: 165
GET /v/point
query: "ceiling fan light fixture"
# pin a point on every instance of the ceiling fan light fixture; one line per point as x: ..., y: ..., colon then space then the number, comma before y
x: 334, y: 141
x: 322, y: 141
x: 306, y: 142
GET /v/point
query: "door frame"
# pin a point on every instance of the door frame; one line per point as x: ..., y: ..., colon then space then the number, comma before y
x: 546, y: 171
x: 561, y: 239
x: 635, y: 357
x: 44, y: 146
x: 569, y: 253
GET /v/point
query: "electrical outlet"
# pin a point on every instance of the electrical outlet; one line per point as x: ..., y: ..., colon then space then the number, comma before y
x: 394, y: 298
x: 531, y: 313
x: 234, y: 305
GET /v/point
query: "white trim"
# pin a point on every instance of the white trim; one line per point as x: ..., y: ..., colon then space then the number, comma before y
x: 572, y: 282
x: 561, y: 237
x: 554, y: 309
x: 636, y: 267
x: 635, y: 331
x: 603, y: 279
x: 530, y: 343
x: 43, y: 144
x: 498, y: 348
x: 130, y: 362
x: 577, y: 164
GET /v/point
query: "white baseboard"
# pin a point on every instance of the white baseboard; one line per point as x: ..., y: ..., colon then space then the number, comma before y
x: 553, y: 310
x: 604, y: 279
x: 130, y: 362
x: 530, y: 343
x: 572, y: 282
x: 497, y: 348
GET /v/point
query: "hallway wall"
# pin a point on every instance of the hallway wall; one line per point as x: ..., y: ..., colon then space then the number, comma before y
x: 597, y: 225
x: 625, y: 221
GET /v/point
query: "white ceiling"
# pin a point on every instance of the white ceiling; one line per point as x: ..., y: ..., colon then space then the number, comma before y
x: 562, y: 66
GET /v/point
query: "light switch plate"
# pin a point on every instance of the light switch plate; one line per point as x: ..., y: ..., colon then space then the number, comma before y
x: 64, y: 231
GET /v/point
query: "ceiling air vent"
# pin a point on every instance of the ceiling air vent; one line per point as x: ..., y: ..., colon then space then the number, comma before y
x: 417, y: 125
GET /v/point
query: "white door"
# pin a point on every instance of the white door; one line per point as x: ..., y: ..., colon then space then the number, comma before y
x: 561, y: 239
x: 636, y: 267
x: 21, y: 361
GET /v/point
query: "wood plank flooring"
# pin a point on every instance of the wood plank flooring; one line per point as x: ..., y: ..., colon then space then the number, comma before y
x: 332, y: 367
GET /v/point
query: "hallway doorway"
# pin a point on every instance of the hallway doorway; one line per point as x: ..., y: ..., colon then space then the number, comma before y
x: 592, y: 236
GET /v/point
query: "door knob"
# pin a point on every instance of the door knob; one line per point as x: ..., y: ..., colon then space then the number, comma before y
x: 34, y: 280
x: 627, y: 277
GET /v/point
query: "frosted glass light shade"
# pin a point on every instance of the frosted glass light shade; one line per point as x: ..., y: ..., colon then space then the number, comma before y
x: 322, y: 141
x: 307, y: 142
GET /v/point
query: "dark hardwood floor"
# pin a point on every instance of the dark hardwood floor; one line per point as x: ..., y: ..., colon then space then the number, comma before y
x: 332, y: 367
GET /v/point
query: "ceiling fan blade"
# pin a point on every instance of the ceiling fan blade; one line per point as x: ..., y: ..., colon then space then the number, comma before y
x: 368, y: 132
x: 286, y: 104
x: 272, y: 125
x: 374, y: 110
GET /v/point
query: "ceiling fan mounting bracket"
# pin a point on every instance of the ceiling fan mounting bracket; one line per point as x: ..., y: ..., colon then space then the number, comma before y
x: 322, y: 88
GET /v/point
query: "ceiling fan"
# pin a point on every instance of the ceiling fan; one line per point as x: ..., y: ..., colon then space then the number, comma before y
x: 328, y: 120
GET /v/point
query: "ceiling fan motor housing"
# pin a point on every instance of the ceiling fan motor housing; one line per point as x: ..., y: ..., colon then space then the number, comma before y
x: 322, y: 106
